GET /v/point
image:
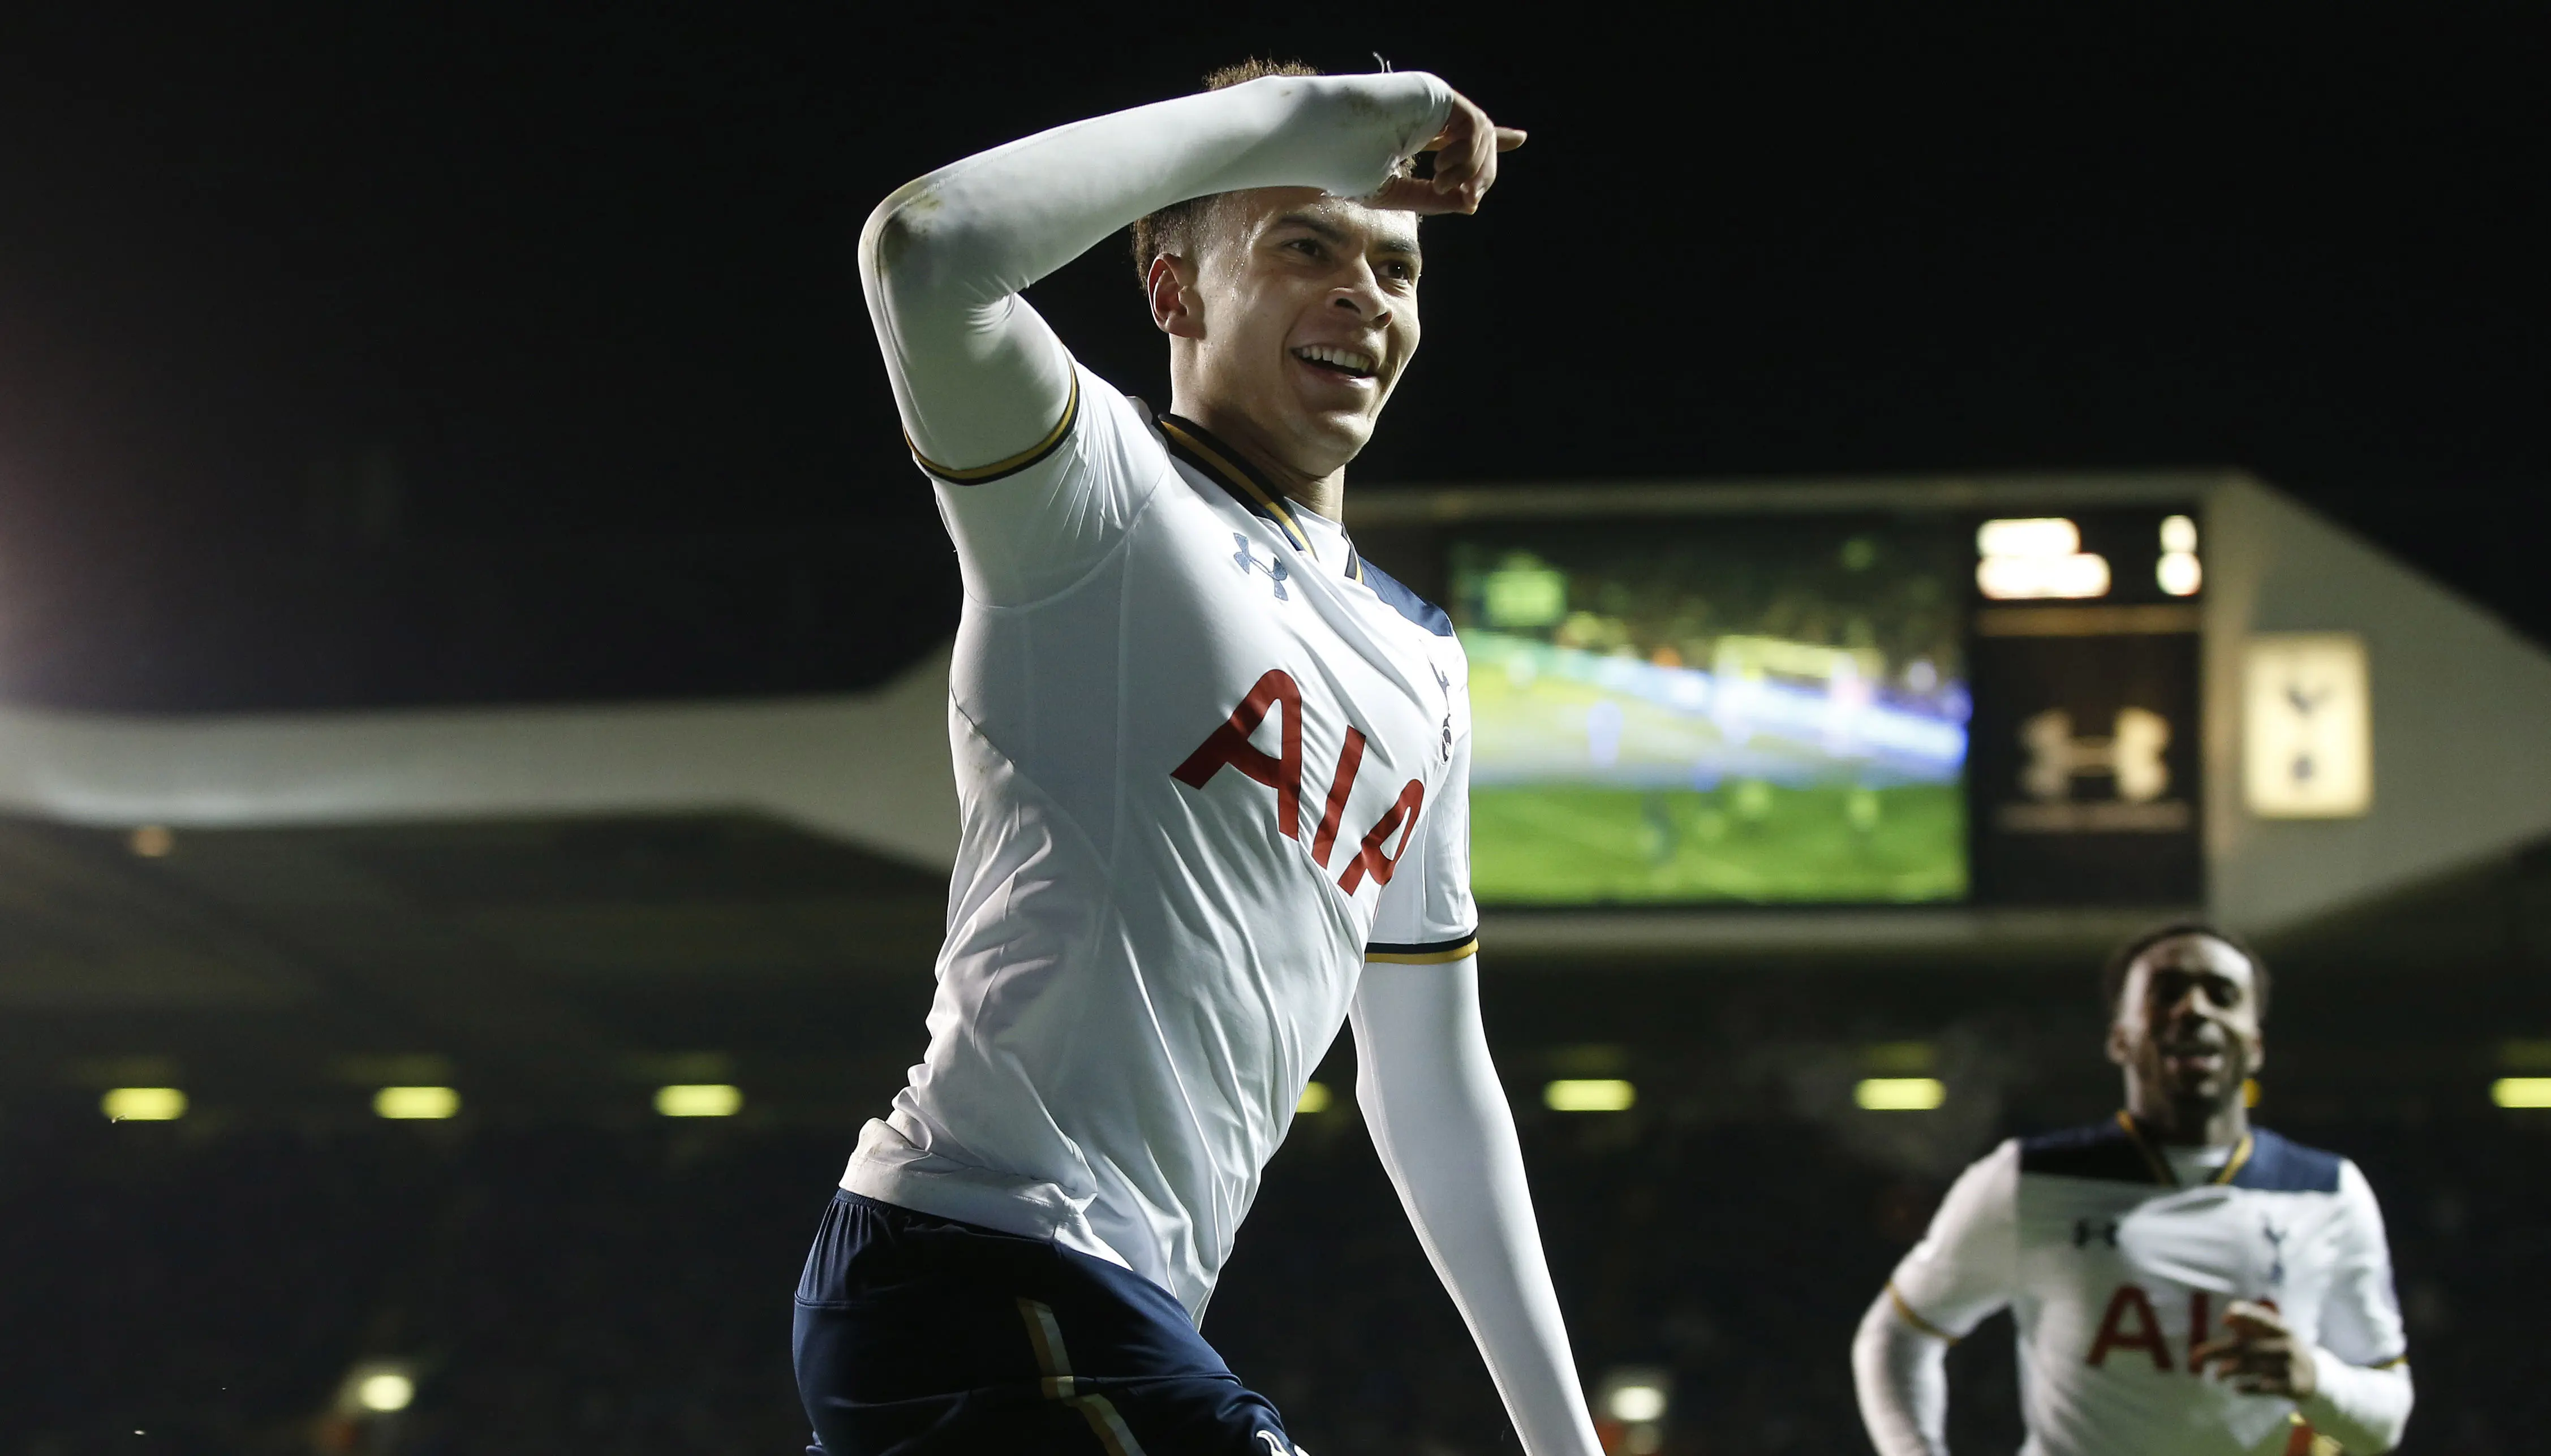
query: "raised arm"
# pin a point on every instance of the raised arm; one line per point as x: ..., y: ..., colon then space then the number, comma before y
x: 978, y: 377
x: 1440, y: 1119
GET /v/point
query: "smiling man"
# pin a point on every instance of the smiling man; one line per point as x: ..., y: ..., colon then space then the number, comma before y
x: 2185, y: 1284
x: 1212, y: 768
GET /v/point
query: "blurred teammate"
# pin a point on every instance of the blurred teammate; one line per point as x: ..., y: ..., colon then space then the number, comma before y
x: 2185, y: 1284
x: 1213, y: 774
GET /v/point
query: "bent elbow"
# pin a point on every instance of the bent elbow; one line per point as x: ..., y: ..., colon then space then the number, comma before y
x: 894, y: 233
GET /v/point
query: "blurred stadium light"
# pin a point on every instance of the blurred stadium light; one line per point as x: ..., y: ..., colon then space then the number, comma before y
x: 1630, y: 1405
x: 2521, y: 1092
x: 699, y: 1100
x: 377, y: 1388
x: 416, y: 1103
x: 1900, y: 1093
x: 1590, y: 1095
x: 143, y: 1104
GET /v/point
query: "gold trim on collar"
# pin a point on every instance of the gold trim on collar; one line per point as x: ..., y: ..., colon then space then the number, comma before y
x: 2234, y: 1164
x: 981, y: 474
x: 2160, y: 1165
x: 1237, y: 477
x: 2154, y: 1162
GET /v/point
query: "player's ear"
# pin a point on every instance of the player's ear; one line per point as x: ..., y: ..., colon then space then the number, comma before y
x: 1172, y: 285
x: 2121, y: 1048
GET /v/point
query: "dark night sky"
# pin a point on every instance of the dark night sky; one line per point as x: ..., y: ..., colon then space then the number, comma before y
x: 420, y: 354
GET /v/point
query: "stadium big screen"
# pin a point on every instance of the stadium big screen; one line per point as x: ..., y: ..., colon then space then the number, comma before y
x: 1679, y: 710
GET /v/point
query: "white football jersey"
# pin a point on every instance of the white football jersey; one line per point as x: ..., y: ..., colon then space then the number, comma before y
x: 2113, y: 1271
x: 1209, y: 763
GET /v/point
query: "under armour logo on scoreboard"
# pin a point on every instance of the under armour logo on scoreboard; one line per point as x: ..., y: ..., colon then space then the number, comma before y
x: 1248, y: 562
x: 2133, y: 754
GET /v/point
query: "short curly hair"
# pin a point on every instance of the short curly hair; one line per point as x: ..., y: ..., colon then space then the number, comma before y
x: 2112, y: 976
x: 1177, y: 228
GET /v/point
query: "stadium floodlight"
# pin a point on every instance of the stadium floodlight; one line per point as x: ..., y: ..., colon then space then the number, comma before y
x: 1900, y: 1093
x: 376, y: 1387
x: 416, y: 1103
x: 143, y: 1104
x: 699, y: 1100
x: 1590, y: 1095
x: 1315, y: 1099
x: 2178, y: 533
x: 2521, y: 1092
x: 385, y: 1392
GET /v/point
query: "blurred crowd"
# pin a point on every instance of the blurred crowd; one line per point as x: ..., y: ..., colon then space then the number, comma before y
x: 194, y: 1288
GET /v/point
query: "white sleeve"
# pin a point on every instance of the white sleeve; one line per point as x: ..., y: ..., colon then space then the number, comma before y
x: 2363, y: 1392
x: 983, y: 386
x: 1440, y: 1119
x: 1962, y: 1271
x: 1903, y: 1377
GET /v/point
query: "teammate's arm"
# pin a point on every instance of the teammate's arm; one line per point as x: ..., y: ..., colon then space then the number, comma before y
x: 978, y: 377
x: 1440, y: 1121
x: 1961, y: 1272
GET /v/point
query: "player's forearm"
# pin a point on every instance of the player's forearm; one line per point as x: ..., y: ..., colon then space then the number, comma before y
x: 1903, y: 1378
x: 2363, y: 1410
x: 1439, y: 1117
x: 941, y: 260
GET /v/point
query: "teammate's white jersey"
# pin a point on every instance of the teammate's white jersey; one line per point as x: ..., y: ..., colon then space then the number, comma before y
x: 1209, y: 763
x: 2115, y: 1264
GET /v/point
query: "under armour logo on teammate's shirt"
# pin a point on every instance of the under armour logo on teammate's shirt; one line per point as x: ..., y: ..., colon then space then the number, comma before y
x: 1247, y: 562
x: 2087, y: 1229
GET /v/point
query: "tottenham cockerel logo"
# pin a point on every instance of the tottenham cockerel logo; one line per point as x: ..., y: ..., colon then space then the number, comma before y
x: 1229, y: 747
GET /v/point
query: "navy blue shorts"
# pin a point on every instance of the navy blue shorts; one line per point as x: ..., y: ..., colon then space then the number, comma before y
x: 923, y: 1337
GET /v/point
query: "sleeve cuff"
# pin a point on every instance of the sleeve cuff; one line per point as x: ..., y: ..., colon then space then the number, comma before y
x: 1423, y: 953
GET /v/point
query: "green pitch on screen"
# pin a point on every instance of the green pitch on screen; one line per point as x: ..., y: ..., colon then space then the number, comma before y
x: 1744, y: 840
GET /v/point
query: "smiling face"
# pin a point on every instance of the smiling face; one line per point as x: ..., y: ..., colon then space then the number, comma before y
x: 1290, y: 324
x: 2186, y: 1031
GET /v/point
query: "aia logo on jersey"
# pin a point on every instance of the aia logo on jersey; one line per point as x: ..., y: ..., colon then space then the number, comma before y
x: 1228, y: 746
x: 2130, y: 1327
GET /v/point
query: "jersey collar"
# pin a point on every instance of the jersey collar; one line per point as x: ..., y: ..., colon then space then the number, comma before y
x: 1224, y: 466
x: 2160, y: 1166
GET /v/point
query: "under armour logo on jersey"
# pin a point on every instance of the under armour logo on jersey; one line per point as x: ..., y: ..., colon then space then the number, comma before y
x: 2087, y: 1229
x: 1248, y: 562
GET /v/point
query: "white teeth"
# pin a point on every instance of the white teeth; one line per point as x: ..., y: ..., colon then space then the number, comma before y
x: 1345, y: 359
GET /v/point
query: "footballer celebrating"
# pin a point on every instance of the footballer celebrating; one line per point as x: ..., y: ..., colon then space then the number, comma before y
x: 2185, y: 1284
x: 1212, y: 769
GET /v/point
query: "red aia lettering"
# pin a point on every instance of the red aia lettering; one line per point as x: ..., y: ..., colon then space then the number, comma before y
x: 2145, y: 1335
x: 2200, y: 1313
x: 1228, y: 746
x: 1402, y: 818
x: 1350, y: 759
